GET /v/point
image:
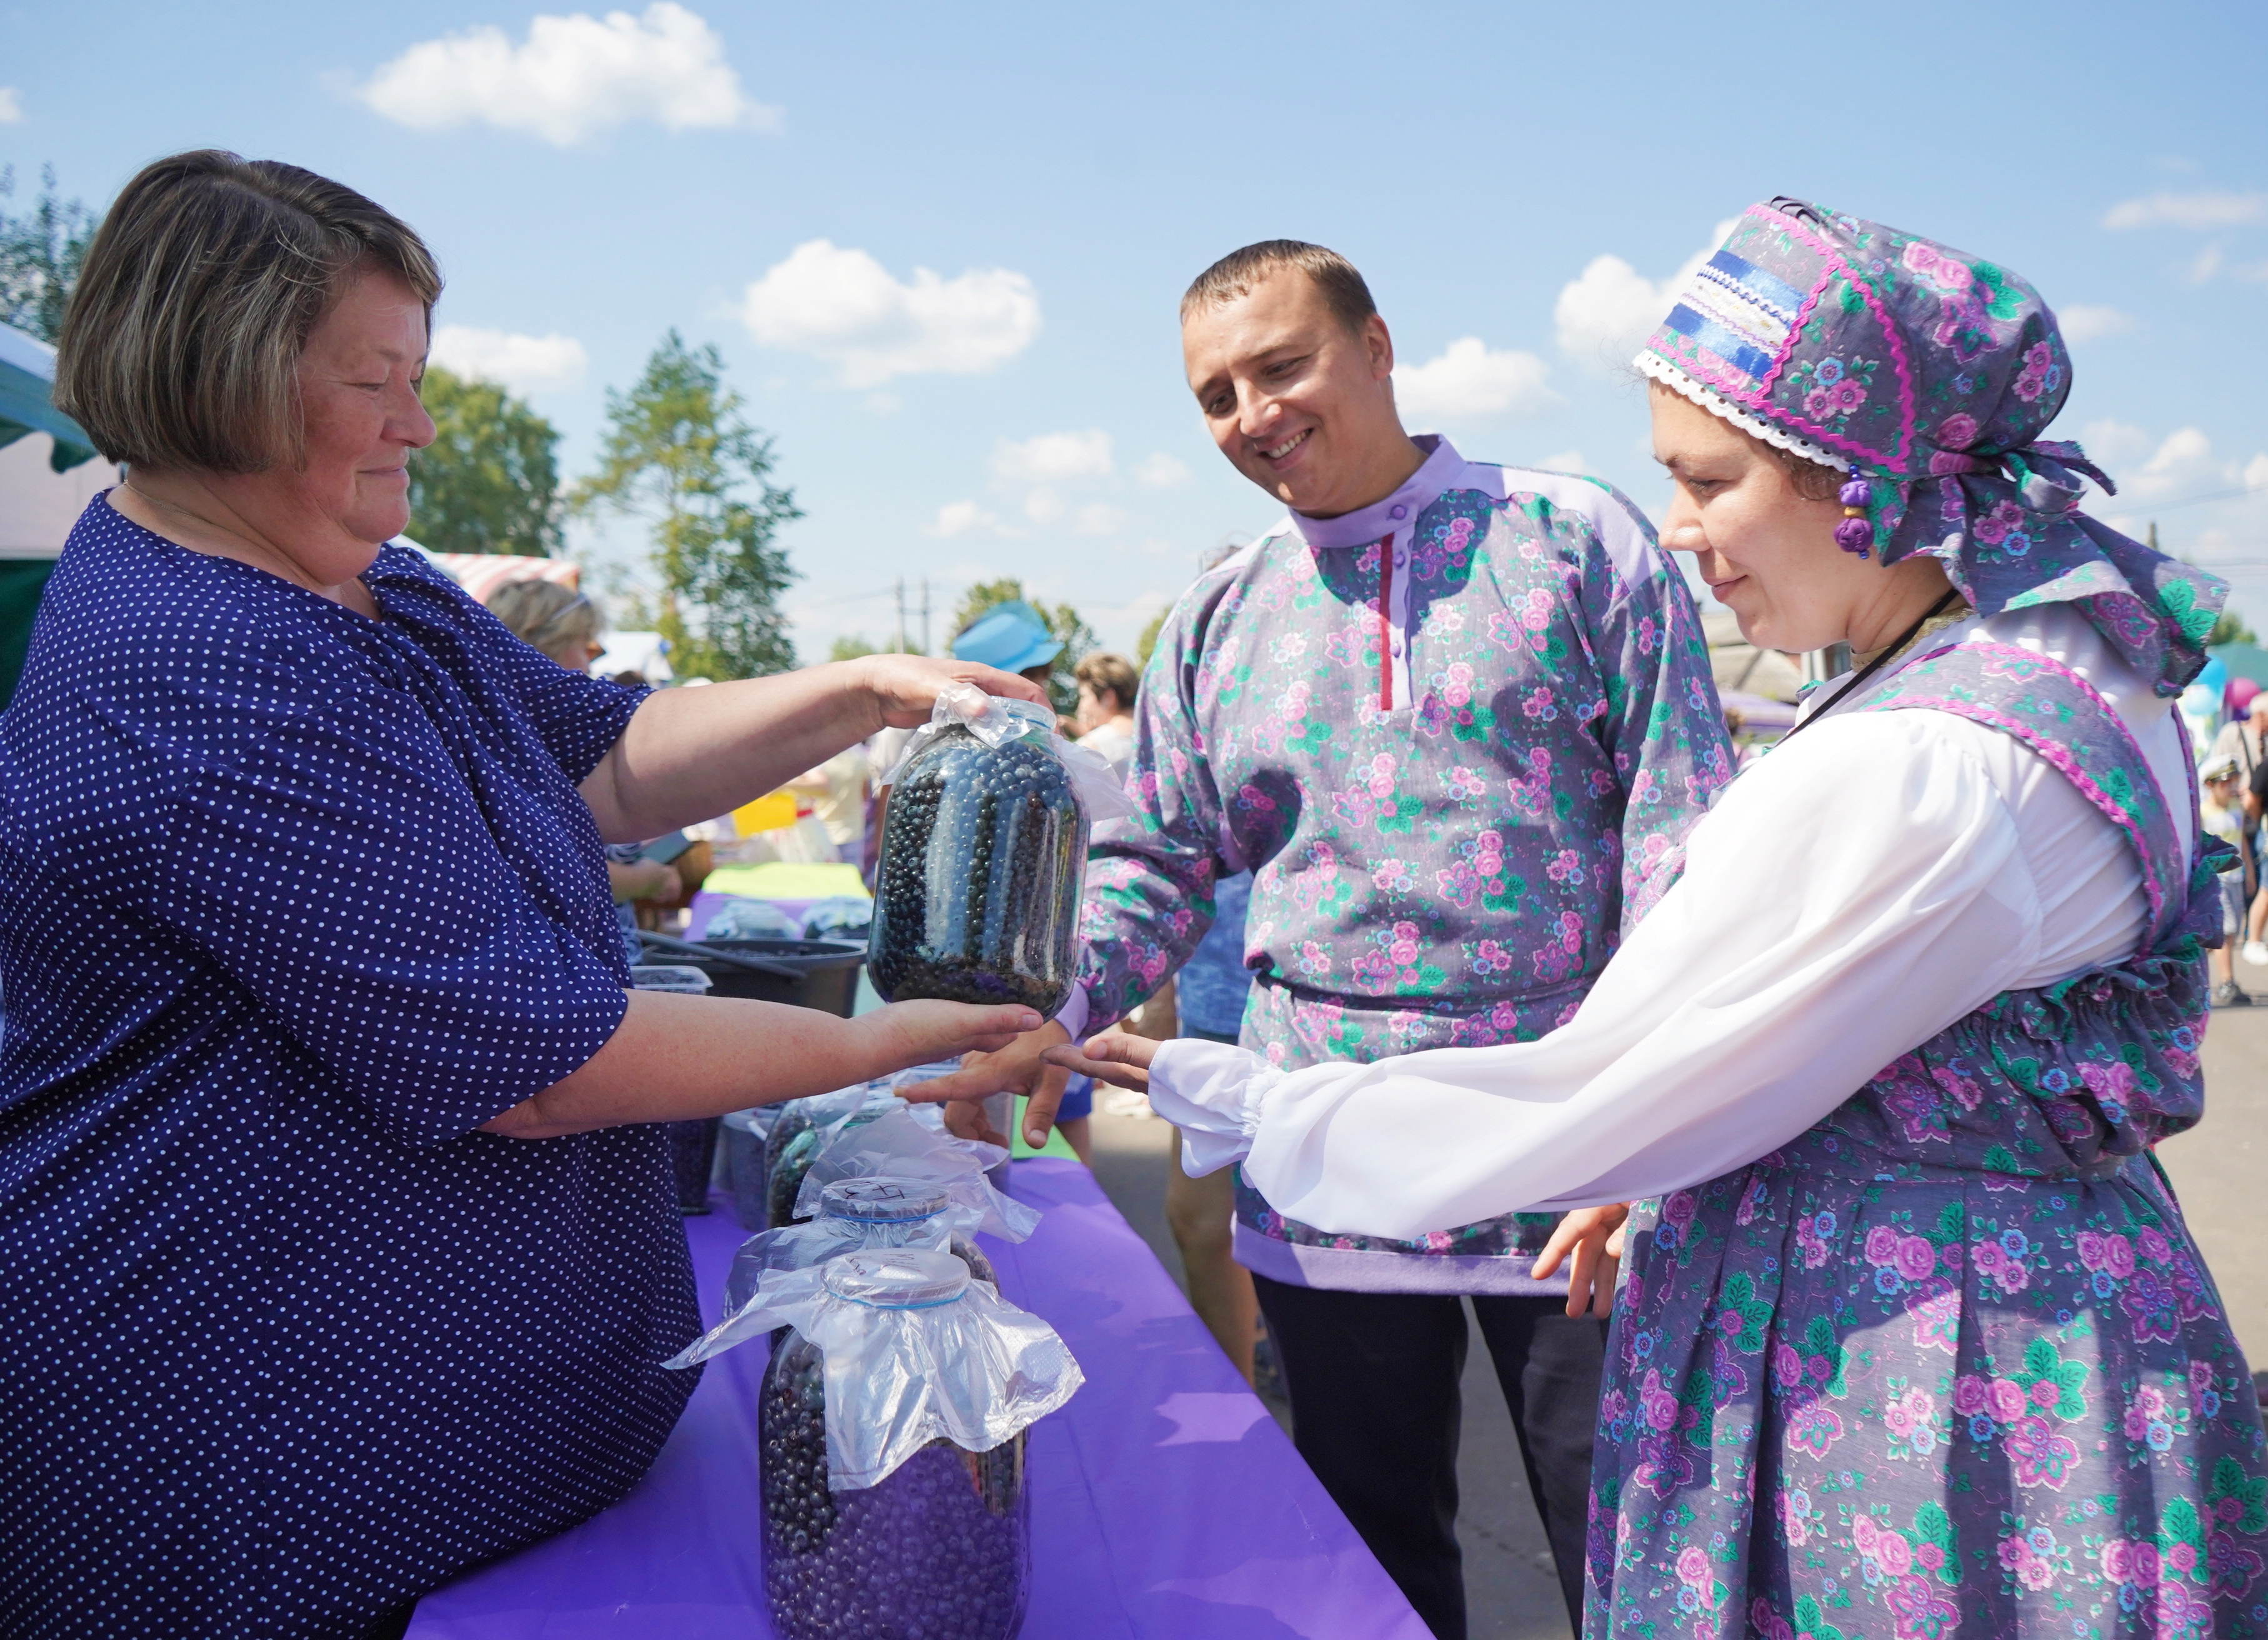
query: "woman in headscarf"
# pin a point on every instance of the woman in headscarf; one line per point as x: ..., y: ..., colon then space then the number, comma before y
x: 1915, y: 1338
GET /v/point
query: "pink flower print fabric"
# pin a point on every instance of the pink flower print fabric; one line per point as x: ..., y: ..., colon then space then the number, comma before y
x: 1932, y: 376
x: 1980, y: 1382
x: 1453, y: 871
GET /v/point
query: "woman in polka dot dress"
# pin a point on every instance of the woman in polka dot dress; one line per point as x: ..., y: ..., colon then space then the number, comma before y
x: 337, y: 1252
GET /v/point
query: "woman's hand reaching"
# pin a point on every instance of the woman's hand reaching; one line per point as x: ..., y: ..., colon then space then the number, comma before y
x: 904, y: 1034
x: 905, y: 686
x: 1595, y: 1235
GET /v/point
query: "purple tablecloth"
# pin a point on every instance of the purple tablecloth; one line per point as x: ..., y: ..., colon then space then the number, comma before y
x: 1166, y: 1502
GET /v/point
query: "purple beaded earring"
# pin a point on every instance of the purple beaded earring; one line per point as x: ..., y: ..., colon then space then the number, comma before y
x: 1855, y: 535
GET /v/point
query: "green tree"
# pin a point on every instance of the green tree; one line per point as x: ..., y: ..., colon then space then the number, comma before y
x: 489, y: 480
x: 678, y: 454
x: 1064, y: 622
x: 2230, y: 628
x: 850, y: 648
x: 1146, y: 644
x: 40, y: 253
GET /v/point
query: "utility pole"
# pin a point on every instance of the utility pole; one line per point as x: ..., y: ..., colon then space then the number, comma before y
x: 926, y: 649
x: 901, y: 615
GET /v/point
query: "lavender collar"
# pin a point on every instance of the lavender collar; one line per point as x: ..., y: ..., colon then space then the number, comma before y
x: 1397, y: 512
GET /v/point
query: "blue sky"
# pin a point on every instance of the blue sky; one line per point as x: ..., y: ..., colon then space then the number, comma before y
x: 939, y: 247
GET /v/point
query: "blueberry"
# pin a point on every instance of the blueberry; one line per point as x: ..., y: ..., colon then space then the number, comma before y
x: 939, y: 1549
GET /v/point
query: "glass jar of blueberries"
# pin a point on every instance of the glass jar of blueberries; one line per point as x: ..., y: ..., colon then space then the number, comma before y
x: 982, y: 855
x: 939, y: 1548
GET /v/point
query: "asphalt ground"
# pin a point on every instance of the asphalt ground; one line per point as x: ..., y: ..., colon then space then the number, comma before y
x: 2219, y: 1170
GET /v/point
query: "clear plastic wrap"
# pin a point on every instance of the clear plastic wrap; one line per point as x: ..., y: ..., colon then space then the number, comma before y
x: 916, y: 1351
x: 895, y: 1145
x: 797, y: 1134
x: 752, y: 919
x: 860, y: 1216
x: 983, y: 852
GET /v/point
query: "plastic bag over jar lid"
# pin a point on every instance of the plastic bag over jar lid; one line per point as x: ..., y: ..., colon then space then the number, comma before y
x: 853, y: 1222
x: 897, y: 1145
x: 995, y: 719
x: 903, y: 1278
x: 880, y: 1201
x: 915, y: 1351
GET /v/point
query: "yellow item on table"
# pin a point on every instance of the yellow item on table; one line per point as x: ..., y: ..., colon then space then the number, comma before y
x: 787, y: 880
x: 770, y: 812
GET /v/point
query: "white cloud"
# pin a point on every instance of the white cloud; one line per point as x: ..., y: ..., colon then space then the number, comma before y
x: 2087, y: 321
x: 1052, y: 458
x: 574, y: 77
x: 523, y: 364
x: 2117, y: 444
x: 1471, y: 379
x: 1043, y: 506
x: 2206, y: 265
x: 959, y: 518
x: 1099, y: 518
x: 843, y: 306
x: 2205, y: 208
x: 2256, y: 473
x: 2151, y: 469
x: 1161, y: 471
x: 1605, y: 314
x: 12, y: 106
x: 1564, y: 461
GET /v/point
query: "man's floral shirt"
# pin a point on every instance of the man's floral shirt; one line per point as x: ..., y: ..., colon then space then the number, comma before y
x: 1455, y: 736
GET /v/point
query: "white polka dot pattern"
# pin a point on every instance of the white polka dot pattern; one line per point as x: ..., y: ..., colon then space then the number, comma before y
x: 291, y: 901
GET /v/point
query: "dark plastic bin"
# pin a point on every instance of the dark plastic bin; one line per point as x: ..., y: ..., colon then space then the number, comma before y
x: 692, y: 1156
x: 826, y: 971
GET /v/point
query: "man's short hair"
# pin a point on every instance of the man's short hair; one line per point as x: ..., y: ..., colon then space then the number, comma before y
x: 180, y: 347
x: 1234, y: 275
x: 1114, y: 674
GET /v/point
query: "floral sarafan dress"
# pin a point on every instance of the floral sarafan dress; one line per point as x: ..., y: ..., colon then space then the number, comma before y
x: 1950, y: 1362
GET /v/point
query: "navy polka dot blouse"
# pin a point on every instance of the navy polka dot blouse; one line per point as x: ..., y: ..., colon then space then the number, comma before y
x: 291, y: 901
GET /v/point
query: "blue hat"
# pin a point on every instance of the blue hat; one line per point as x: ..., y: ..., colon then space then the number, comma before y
x: 1011, y: 637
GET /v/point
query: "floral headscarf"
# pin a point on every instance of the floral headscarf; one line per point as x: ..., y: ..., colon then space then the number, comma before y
x: 1928, y: 375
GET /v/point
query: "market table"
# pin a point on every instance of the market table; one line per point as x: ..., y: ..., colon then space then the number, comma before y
x: 1166, y: 1502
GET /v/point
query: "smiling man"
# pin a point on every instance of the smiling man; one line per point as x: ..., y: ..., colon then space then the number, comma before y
x: 1454, y: 717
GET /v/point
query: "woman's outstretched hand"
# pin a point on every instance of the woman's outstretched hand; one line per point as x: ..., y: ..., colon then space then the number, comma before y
x: 905, y: 686
x: 1595, y: 1233
x: 1114, y: 1057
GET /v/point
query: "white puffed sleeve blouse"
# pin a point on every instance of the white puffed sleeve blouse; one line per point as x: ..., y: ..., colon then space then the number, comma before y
x: 1848, y: 897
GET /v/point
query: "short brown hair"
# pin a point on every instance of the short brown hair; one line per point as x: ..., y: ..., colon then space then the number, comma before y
x: 1235, y: 273
x: 545, y: 615
x: 1104, y: 672
x: 182, y: 344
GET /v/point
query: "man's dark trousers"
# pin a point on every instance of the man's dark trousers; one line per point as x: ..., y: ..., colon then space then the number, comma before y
x: 1375, y: 1411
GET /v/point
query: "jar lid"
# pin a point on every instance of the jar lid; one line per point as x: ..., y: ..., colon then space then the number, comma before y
x: 1030, y: 712
x: 880, y: 1201
x: 903, y: 1278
